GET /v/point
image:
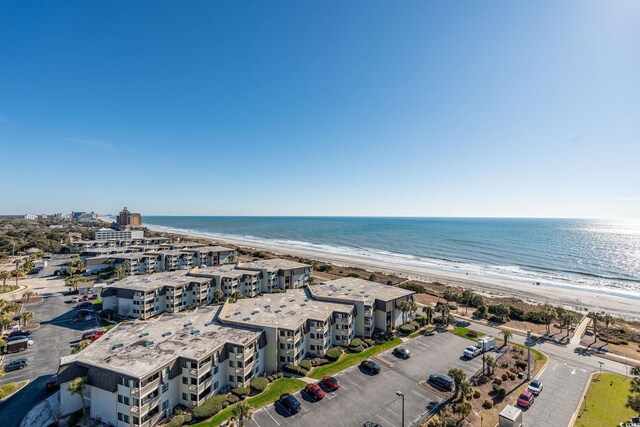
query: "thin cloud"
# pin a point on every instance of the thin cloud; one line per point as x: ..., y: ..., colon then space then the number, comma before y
x: 92, y: 143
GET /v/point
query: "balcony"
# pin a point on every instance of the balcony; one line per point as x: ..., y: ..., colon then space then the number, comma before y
x: 146, y: 389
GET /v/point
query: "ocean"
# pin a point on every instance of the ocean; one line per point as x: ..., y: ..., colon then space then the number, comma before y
x: 592, y: 254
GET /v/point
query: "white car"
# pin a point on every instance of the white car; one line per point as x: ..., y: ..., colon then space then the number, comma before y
x: 472, y: 351
x: 75, y: 299
x: 535, y: 387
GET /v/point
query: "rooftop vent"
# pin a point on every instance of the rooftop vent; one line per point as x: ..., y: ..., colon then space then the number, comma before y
x: 246, y: 319
x: 303, y: 304
x: 209, y: 323
x: 186, y: 325
x: 166, y: 334
x: 195, y: 332
x: 149, y: 343
x: 144, y: 334
x: 277, y: 311
x: 117, y: 346
x: 283, y: 305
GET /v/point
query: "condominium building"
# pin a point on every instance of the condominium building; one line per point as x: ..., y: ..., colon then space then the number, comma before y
x: 147, y: 296
x: 231, y: 279
x: 139, y: 371
x: 279, y: 273
x: 295, y: 325
x: 376, y: 304
x: 116, y: 242
x: 128, y: 219
x: 110, y: 233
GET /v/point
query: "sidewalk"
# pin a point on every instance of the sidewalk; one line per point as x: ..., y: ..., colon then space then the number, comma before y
x: 580, y: 330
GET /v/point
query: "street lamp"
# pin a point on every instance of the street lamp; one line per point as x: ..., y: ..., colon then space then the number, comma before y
x: 401, y: 394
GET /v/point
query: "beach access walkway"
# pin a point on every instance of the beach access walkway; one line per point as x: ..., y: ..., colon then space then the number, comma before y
x: 580, y: 330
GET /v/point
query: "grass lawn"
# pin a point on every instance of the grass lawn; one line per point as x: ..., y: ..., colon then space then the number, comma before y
x: 604, y: 403
x: 8, y: 288
x: 421, y: 332
x: 270, y: 395
x: 351, y: 359
x: 462, y: 332
x: 7, y: 389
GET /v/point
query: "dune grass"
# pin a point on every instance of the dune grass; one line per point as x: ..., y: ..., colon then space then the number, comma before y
x: 7, y: 389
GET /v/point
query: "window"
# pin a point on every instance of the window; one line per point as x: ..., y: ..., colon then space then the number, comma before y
x: 194, y: 397
x: 184, y: 396
x: 123, y: 399
x: 282, y: 358
x: 165, y: 387
x: 185, y: 380
x: 230, y: 378
x: 215, y: 370
x: 165, y: 404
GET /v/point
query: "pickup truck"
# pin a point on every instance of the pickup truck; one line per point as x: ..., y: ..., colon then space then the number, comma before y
x: 471, y: 352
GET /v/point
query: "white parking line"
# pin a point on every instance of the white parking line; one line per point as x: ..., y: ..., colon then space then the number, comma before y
x: 274, y: 420
x: 392, y: 412
x: 385, y: 420
x: 415, y: 392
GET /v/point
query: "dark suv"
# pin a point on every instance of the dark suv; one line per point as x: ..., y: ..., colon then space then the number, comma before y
x: 441, y: 381
x: 15, y: 365
x: 290, y: 403
x: 20, y: 334
x: 370, y: 366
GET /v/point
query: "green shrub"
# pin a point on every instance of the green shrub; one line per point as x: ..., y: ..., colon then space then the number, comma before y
x: 356, y: 342
x: 270, y: 378
x: 225, y: 405
x: 319, y: 361
x: 472, y: 334
x: 279, y: 374
x: 241, y: 391
x: 364, y: 344
x: 415, y: 324
x: 358, y: 349
x: 333, y: 353
x: 421, y: 320
x: 488, y: 404
x: 501, y: 393
x: 306, y: 364
x: 370, y: 342
x: 512, y: 376
x: 406, y: 329
x: 210, y: 407
x: 259, y: 384
x: 521, y: 364
x: 176, y: 421
x: 232, y: 399
x: 476, y: 394
x: 505, y: 376
x: 418, y: 289
x: 294, y: 369
x: 497, y: 381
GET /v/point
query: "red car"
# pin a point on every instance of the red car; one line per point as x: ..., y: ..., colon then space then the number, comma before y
x: 96, y: 336
x: 92, y: 335
x: 314, y: 391
x: 525, y: 400
x: 331, y: 383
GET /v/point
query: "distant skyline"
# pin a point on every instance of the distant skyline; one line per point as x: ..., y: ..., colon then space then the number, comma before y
x: 428, y: 109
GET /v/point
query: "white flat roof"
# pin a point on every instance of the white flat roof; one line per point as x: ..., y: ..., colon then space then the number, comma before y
x: 273, y: 264
x: 356, y: 289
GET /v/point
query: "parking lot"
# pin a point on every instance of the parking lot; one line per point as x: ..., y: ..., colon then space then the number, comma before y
x: 363, y: 397
x: 54, y: 338
x: 563, y: 385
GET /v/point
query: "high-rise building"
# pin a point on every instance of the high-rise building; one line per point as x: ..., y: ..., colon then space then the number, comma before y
x: 128, y: 219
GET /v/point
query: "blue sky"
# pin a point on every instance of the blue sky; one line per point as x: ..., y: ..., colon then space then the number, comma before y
x: 413, y: 108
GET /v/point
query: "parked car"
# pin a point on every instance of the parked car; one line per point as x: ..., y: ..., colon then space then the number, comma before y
x: 314, y: 391
x: 471, y: 352
x: 87, y: 335
x: 290, y: 403
x: 20, y: 334
x: 535, y: 387
x: 16, y: 338
x: 525, y: 400
x: 442, y: 381
x: 96, y: 336
x: 402, y: 352
x: 371, y: 424
x: 52, y: 384
x: 16, y: 365
x: 370, y: 366
x: 75, y: 299
x: 331, y: 383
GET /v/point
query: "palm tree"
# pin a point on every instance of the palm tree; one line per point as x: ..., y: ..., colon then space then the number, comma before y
x: 465, y: 389
x: 429, y: 312
x: 444, y: 314
x: 548, y: 314
x: 507, y: 336
x: 404, y: 308
x: 27, y: 295
x: 458, y: 376
x: 490, y: 362
x: 218, y: 295
x: 26, y: 316
x: 595, y: 317
x: 77, y: 386
x: 5, y: 322
x: 242, y: 411
x: 467, y: 295
x: 17, y: 273
x: 4, y: 276
x: 413, y: 307
x: 3, y: 346
x: 608, y: 320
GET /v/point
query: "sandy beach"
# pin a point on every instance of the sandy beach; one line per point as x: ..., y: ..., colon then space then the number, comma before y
x: 578, y: 299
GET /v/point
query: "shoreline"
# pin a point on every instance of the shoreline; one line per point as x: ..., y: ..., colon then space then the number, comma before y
x: 581, y: 300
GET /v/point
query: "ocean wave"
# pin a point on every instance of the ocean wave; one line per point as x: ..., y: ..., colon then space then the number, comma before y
x: 573, y: 279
